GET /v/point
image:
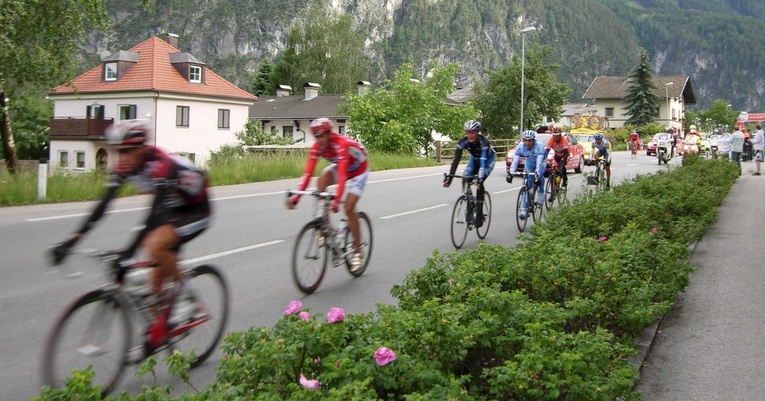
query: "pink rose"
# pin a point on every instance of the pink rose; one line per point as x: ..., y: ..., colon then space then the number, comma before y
x: 293, y: 307
x: 312, y: 385
x: 305, y: 316
x: 335, y: 315
x: 384, y: 356
x: 653, y: 230
x: 602, y: 239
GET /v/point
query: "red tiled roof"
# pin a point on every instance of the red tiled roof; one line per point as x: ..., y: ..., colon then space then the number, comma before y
x: 153, y: 72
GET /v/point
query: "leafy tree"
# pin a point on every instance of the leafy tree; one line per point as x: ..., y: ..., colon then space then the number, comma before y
x: 261, y: 84
x: 30, y: 125
x: 498, y: 98
x: 324, y: 50
x: 642, y: 103
x: 400, y: 116
x: 720, y: 114
x: 38, y: 45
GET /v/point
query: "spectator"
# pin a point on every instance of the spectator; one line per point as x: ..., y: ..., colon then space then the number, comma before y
x: 737, y: 147
x: 724, y: 144
x: 746, y: 155
x: 759, y: 145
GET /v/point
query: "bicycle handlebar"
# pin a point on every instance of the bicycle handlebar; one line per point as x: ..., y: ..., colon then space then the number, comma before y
x: 318, y: 194
x: 467, y: 177
x: 523, y: 173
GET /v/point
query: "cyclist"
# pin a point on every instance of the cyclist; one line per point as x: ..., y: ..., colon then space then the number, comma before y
x: 180, y: 210
x: 536, y: 156
x: 481, y: 162
x: 602, y: 148
x: 634, y: 141
x: 559, y: 144
x: 349, y: 167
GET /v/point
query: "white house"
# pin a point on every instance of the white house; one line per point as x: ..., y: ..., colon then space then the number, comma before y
x: 194, y: 111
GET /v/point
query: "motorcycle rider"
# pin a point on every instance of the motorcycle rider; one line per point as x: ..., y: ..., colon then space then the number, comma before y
x: 693, y: 137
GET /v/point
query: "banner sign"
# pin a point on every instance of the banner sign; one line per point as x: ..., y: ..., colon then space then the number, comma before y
x: 756, y: 117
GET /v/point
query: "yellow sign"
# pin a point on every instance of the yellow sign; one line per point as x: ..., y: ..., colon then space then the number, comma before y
x: 588, y: 123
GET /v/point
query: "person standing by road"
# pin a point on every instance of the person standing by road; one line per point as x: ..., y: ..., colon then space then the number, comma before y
x: 759, y: 145
x: 737, y: 147
x: 724, y: 144
x: 481, y: 162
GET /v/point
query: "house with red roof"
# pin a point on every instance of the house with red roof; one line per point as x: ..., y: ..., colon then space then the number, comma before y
x: 193, y: 110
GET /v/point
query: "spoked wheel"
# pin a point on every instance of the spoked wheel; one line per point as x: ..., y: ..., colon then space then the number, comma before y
x: 536, y: 210
x: 93, y: 333
x: 309, y: 257
x: 523, y: 199
x: 205, y: 327
x: 365, y: 227
x: 549, y: 188
x: 484, y: 229
x: 460, y: 223
x: 658, y: 156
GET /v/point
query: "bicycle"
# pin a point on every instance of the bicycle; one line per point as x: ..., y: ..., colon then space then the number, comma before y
x: 527, y: 196
x: 319, y: 240
x: 464, y: 212
x: 96, y: 328
x: 633, y: 149
x: 554, y: 187
x: 598, y: 181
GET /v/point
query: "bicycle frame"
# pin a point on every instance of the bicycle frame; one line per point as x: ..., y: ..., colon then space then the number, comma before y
x: 322, y: 215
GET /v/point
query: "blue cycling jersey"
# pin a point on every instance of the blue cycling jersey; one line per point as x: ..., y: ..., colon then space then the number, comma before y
x: 535, y: 158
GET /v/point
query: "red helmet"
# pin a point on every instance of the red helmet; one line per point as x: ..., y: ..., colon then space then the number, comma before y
x: 129, y: 133
x: 321, y: 126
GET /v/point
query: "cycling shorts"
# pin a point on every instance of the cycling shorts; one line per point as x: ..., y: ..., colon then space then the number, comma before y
x: 188, y: 225
x: 353, y: 185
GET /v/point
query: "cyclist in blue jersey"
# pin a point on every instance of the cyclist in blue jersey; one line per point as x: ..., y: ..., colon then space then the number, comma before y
x: 536, y: 155
x: 481, y: 162
x: 601, y: 147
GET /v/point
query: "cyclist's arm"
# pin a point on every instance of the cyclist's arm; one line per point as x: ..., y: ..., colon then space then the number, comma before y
x: 342, y: 170
x: 485, y: 149
x: 310, y: 165
x: 516, y: 158
x: 456, y: 161
x: 608, y: 152
x: 541, y: 163
x: 111, y: 190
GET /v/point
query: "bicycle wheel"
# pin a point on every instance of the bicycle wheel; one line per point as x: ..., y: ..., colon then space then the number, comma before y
x: 309, y: 257
x: 94, y: 331
x: 484, y: 229
x: 536, y: 210
x: 212, y: 301
x: 459, y: 222
x: 550, y: 189
x: 365, y: 227
x: 523, y: 198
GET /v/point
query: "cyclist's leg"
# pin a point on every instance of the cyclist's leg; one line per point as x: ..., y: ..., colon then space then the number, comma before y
x: 608, y: 174
x: 355, y: 187
x: 563, y: 174
x: 160, y: 244
x: 327, y: 177
x: 481, y: 189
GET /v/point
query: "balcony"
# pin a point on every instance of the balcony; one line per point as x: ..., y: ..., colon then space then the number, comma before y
x: 79, y: 128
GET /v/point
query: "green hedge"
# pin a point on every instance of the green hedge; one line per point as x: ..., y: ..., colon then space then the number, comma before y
x: 551, y: 318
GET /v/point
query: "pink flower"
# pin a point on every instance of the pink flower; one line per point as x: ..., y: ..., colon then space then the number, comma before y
x: 305, y: 316
x: 317, y: 361
x: 450, y: 282
x: 653, y: 230
x: 312, y: 385
x: 337, y: 363
x: 603, y: 238
x: 384, y: 356
x: 293, y: 307
x: 335, y: 315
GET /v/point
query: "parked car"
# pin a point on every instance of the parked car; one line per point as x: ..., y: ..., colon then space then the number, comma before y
x: 575, y: 155
x: 586, y: 141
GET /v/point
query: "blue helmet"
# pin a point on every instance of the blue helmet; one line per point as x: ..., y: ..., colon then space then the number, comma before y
x: 472, y: 125
x: 529, y: 134
x: 598, y: 136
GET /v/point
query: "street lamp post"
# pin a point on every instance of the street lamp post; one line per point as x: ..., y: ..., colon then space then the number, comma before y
x: 666, y: 87
x: 523, y: 66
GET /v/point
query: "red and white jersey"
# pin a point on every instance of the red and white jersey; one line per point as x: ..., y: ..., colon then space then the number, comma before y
x: 349, y: 155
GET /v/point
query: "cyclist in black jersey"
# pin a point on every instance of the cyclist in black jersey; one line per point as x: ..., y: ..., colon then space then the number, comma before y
x: 180, y: 211
x: 481, y: 162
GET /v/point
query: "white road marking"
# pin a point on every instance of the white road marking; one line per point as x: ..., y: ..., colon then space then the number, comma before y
x: 413, y: 211
x: 230, y: 252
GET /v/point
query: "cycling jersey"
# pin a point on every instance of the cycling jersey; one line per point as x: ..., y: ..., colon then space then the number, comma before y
x: 180, y: 195
x: 480, y: 150
x: 634, y: 137
x: 604, y: 149
x: 535, y: 158
x: 560, y: 148
x: 349, y: 155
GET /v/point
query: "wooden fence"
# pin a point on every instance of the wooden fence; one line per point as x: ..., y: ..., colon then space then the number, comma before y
x: 445, y: 149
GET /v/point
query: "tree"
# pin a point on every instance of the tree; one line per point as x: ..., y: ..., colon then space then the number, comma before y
x: 31, y: 114
x: 323, y: 50
x: 261, y: 84
x: 38, y: 45
x: 720, y: 114
x: 400, y: 116
x: 498, y: 98
x: 642, y: 102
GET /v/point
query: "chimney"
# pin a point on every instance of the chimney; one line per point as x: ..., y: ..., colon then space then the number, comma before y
x: 170, y: 38
x: 363, y: 86
x: 283, y: 90
x: 311, y: 90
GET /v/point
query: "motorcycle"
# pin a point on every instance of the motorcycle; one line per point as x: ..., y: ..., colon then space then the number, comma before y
x: 664, y: 148
x: 714, y: 149
x: 690, y: 147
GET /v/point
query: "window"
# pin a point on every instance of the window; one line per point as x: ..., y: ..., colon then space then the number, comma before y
x: 95, y: 111
x: 224, y: 116
x: 63, y: 159
x: 79, y: 160
x: 195, y: 74
x: 609, y: 111
x: 182, y: 116
x: 341, y: 129
x: 110, y: 72
x: 287, y: 131
x: 127, y: 111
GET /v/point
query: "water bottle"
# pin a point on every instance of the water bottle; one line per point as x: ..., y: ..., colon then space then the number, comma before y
x: 343, y: 227
x: 137, y: 281
x: 557, y: 181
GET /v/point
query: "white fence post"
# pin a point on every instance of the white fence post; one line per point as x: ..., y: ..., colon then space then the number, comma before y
x: 42, y: 178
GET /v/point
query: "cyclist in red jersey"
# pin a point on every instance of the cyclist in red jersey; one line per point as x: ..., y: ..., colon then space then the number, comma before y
x: 634, y: 142
x: 349, y: 168
x: 559, y: 144
x: 180, y: 210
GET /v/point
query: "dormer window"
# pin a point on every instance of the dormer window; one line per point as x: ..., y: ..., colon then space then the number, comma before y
x: 110, y: 72
x: 195, y: 74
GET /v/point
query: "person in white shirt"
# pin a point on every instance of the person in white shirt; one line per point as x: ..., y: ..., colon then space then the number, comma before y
x: 737, y: 147
x: 758, y: 144
x: 724, y: 144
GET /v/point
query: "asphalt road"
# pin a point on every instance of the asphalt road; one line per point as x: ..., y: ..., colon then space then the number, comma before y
x: 251, y: 240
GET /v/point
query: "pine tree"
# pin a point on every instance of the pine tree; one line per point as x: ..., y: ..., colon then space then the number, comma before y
x: 643, y: 103
x: 261, y: 84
